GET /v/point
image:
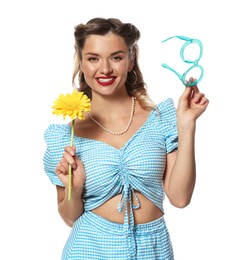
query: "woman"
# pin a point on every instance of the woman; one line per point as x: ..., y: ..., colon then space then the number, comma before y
x: 127, y: 152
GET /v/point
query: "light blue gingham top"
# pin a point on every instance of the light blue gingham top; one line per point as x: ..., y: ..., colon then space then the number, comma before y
x: 139, y: 165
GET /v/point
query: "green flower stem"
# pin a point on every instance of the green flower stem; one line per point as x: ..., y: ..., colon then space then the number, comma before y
x: 70, y: 168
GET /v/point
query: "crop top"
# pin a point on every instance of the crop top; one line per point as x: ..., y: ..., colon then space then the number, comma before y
x: 138, y: 166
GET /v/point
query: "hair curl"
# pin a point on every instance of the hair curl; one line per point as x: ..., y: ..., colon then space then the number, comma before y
x: 135, y: 84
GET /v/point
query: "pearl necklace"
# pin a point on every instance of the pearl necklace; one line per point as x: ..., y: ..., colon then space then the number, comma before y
x: 112, y: 132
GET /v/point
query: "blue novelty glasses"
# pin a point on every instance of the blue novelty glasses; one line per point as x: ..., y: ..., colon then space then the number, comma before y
x: 194, y: 62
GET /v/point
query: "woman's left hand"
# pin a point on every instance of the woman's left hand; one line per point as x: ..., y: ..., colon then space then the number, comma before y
x: 192, y: 104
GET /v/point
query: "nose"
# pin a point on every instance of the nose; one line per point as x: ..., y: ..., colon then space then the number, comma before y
x: 105, y: 67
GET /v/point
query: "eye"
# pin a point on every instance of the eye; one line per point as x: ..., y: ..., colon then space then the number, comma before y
x: 116, y: 58
x: 92, y: 59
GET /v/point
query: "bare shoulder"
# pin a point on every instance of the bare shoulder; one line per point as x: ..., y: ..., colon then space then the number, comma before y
x: 141, y: 114
x: 84, y: 128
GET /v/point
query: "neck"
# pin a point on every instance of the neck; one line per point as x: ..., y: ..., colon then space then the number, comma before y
x: 119, y: 132
x: 110, y: 107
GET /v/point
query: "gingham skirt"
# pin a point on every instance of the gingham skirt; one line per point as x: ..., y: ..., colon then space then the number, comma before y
x: 93, y: 237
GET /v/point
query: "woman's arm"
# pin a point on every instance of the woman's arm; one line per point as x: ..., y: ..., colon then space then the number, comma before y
x: 71, y: 210
x: 180, y: 173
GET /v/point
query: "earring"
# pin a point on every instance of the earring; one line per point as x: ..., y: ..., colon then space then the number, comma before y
x: 135, y: 78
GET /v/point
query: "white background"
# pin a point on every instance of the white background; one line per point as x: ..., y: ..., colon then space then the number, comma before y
x: 36, y: 59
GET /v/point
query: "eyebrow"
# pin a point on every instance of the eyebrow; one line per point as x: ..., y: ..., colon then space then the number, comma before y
x: 112, y: 54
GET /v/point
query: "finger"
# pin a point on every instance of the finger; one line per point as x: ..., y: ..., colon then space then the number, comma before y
x: 60, y: 170
x: 70, y: 149
x: 187, y: 92
x: 204, y: 101
x: 78, y: 162
x: 195, y: 89
x: 64, y: 165
x: 69, y: 160
x: 189, y: 83
x: 191, y: 79
x: 197, y: 97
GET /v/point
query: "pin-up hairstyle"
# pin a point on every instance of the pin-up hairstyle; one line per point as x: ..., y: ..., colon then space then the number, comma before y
x: 99, y: 26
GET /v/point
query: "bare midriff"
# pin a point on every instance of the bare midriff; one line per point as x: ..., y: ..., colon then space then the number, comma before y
x: 146, y: 213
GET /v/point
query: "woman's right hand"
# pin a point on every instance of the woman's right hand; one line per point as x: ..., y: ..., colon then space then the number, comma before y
x: 78, y: 171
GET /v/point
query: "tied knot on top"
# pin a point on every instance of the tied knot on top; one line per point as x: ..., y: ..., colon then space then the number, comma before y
x: 126, y: 198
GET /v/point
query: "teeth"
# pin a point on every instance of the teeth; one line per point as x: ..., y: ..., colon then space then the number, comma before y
x: 105, y: 80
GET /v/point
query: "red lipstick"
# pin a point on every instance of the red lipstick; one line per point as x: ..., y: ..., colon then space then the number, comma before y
x: 105, y: 81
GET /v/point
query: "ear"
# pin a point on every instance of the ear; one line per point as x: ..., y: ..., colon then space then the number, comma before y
x: 131, y: 64
x: 81, y: 67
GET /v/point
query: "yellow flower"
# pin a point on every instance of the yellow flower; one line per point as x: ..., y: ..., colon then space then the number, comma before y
x: 72, y: 105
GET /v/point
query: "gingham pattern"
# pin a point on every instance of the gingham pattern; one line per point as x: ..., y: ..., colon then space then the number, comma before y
x: 138, y: 165
x: 95, y: 238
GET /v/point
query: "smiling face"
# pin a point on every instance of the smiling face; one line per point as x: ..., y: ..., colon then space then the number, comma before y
x: 105, y: 63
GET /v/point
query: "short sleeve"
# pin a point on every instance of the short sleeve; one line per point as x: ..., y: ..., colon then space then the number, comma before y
x: 167, y: 114
x: 56, y: 138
